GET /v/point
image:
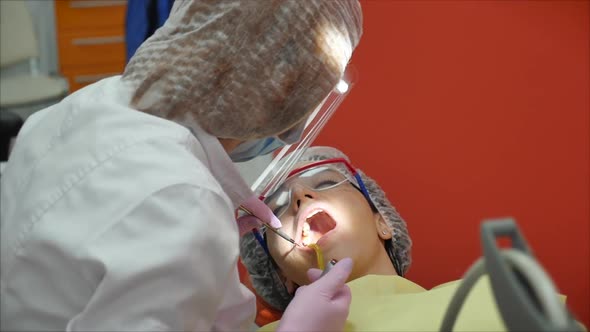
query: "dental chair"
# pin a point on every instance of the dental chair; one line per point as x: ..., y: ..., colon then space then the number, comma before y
x: 525, y: 295
x: 10, y: 124
x: 23, y: 88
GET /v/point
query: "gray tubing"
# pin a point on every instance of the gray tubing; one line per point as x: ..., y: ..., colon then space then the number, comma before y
x: 536, y: 276
x: 473, y: 274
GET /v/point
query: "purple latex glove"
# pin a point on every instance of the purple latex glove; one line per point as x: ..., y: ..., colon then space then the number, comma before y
x: 322, y: 305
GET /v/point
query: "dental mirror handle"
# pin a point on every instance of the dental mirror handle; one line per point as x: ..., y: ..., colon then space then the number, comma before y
x: 274, y: 230
x: 281, y: 234
x: 329, y: 266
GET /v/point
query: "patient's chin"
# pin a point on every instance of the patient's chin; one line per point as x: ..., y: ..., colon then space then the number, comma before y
x: 291, y: 286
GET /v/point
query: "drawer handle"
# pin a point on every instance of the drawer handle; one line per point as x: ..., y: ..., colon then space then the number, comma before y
x: 81, y: 79
x: 98, y: 40
x: 96, y: 3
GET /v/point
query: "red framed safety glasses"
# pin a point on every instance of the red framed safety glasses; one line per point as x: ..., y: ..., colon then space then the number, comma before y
x: 317, y: 176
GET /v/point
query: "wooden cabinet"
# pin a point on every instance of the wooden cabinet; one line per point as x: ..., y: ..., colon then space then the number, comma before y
x: 90, y: 39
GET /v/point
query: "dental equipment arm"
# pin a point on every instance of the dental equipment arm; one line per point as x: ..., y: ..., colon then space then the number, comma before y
x: 525, y: 295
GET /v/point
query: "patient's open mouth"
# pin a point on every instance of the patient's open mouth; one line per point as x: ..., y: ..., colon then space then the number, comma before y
x: 316, y: 225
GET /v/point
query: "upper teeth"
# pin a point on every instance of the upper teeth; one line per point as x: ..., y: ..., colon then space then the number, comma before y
x: 314, y: 213
x: 306, y: 229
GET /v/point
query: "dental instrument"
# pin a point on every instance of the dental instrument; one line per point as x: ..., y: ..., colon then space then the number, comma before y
x: 274, y: 230
x: 329, y: 266
x: 525, y: 295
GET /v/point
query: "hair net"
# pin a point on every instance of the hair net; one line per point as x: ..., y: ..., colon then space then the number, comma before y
x: 262, y: 269
x: 244, y: 69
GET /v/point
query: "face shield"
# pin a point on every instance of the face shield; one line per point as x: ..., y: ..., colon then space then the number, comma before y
x: 285, y: 159
x: 278, y: 169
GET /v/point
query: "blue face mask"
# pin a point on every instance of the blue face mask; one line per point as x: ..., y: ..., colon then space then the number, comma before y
x: 258, y: 147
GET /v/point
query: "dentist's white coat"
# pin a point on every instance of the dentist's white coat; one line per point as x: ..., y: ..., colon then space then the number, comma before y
x: 115, y: 220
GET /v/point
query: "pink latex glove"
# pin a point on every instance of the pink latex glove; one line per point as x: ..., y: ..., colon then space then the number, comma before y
x: 322, y: 305
x: 248, y: 223
x: 259, y: 209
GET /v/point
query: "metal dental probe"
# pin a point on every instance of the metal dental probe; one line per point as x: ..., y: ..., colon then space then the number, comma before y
x: 274, y: 230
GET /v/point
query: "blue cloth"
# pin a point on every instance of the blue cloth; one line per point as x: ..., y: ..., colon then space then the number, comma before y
x: 144, y: 17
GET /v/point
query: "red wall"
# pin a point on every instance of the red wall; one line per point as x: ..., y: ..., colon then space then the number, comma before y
x: 468, y: 110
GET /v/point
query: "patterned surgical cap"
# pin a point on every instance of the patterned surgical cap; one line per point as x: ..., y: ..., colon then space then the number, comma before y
x: 244, y: 69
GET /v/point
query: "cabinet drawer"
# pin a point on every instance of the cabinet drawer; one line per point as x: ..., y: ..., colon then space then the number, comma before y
x: 79, y: 14
x: 81, y: 48
x: 80, y: 77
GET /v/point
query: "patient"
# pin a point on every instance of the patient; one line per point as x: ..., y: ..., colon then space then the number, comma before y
x: 326, y: 204
x: 326, y: 201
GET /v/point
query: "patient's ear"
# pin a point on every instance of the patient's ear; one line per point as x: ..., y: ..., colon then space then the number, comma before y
x: 383, y: 230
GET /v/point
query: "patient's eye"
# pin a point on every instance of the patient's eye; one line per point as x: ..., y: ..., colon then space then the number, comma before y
x: 327, y: 179
x: 326, y: 184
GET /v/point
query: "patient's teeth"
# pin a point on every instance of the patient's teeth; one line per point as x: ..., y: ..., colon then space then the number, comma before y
x: 306, y: 232
x: 306, y: 229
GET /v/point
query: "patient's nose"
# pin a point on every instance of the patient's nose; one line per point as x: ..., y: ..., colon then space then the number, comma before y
x: 300, y: 194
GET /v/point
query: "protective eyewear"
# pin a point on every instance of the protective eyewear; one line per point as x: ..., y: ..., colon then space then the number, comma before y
x: 317, y: 176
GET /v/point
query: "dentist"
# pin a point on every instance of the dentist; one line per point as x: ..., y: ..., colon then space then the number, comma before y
x: 117, y: 204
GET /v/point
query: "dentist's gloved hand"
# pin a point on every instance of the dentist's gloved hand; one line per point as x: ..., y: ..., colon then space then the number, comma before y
x: 258, y: 208
x: 322, y: 305
x: 248, y: 223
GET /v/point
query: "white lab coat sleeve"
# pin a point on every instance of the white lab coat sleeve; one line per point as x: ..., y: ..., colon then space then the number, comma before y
x: 167, y: 265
